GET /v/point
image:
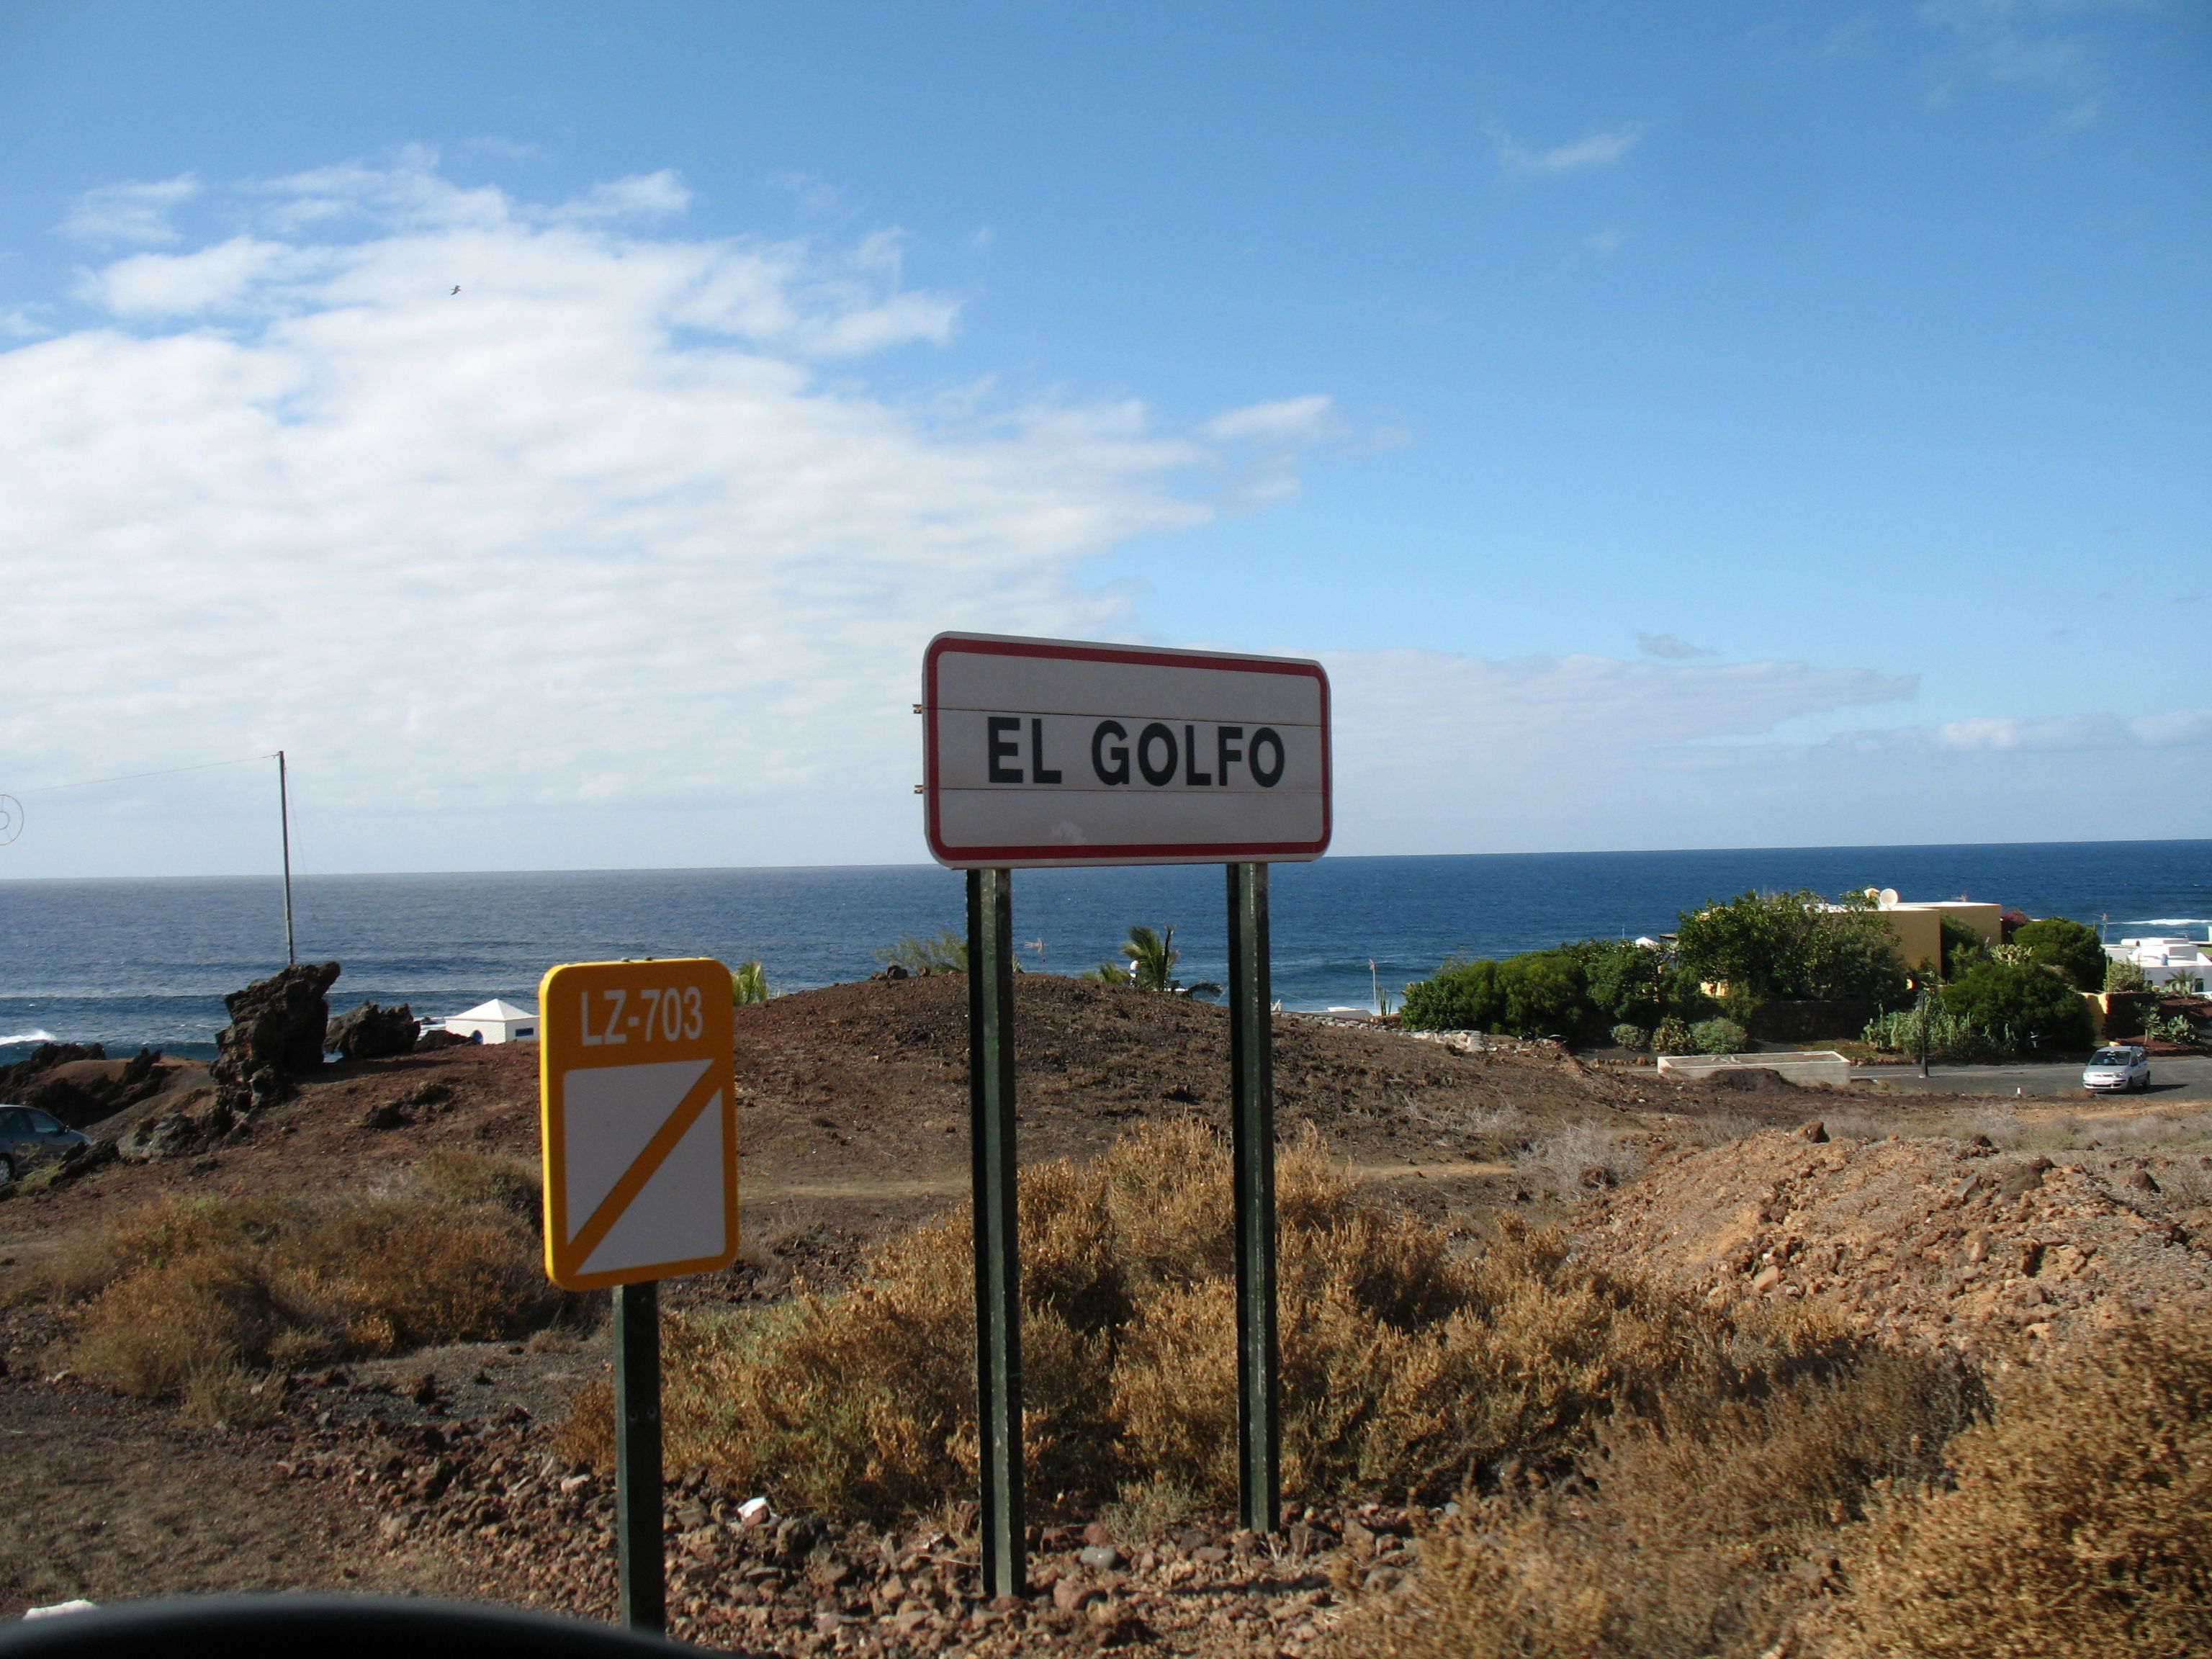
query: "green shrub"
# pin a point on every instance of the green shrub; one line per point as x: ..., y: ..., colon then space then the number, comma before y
x: 1539, y: 993
x: 749, y: 984
x: 1463, y: 996
x: 2072, y: 946
x: 2124, y: 976
x: 1631, y: 1036
x: 1719, y: 1037
x: 1950, y: 1038
x: 1962, y: 946
x: 1673, y: 1037
x: 2035, y: 1005
x: 1543, y: 994
x: 1634, y: 984
x: 1794, y: 945
x: 2170, y: 1028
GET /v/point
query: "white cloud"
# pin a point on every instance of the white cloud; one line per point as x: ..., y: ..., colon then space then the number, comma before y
x: 512, y: 554
x: 2069, y: 734
x: 2015, y: 43
x: 645, y: 196
x: 226, y: 276
x: 1293, y: 420
x: 584, y: 566
x: 1671, y: 646
x: 1599, y: 149
x: 135, y: 212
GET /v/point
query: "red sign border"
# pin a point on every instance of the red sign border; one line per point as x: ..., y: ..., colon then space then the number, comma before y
x: 995, y: 645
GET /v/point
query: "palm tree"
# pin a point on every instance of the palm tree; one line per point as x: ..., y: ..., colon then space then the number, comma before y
x: 749, y: 984
x: 1152, y: 959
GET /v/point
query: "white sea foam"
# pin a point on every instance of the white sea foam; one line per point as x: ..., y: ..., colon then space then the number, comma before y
x: 27, y: 1036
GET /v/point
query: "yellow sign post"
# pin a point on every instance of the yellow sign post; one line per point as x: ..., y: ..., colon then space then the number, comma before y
x: 637, y: 1091
x: 637, y: 1083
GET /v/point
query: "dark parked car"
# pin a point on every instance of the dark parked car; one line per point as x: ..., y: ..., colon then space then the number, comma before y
x: 25, y: 1131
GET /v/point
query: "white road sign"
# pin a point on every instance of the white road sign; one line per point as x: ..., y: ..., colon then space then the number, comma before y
x: 1058, y: 752
x: 636, y: 1078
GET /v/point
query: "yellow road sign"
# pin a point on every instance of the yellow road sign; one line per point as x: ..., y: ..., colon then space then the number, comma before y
x: 637, y: 1093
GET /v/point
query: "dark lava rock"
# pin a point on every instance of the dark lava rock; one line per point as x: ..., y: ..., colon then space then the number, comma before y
x: 42, y: 1060
x: 430, y: 1041
x: 370, y: 1032
x: 1747, y: 1077
x: 276, y: 1032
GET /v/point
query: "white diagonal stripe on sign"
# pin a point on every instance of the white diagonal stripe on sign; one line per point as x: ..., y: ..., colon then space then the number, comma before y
x: 679, y: 1215
x: 608, y: 1113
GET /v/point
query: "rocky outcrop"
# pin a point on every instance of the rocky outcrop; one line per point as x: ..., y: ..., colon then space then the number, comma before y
x: 277, y: 1031
x: 430, y: 1041
x: 370, y: 1032
x: 14, y: 1079
x: 78, y: 1085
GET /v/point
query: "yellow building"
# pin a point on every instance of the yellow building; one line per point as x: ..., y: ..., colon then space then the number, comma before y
x: 1918, y: 928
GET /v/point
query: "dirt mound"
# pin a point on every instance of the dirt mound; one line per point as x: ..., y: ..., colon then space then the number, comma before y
x: 1942, y: 1242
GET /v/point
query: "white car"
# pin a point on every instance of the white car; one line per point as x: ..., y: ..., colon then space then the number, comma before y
x: 2120, y: 1069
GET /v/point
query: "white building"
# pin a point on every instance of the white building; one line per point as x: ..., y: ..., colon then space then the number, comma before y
x: 2179, y: 963
x: 495, y: 1022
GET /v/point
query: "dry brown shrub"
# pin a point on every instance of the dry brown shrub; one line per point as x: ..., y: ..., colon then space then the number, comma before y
x: 2076, y: 1522
x: 1407, y: 1364
x: 185, y: 1292
x: 1698, y: 1527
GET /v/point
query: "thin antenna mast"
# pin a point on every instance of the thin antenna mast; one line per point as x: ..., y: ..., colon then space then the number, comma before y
x: 284, y: 818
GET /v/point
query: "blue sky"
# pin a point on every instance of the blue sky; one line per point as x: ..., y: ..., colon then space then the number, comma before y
x: 1732, y: 425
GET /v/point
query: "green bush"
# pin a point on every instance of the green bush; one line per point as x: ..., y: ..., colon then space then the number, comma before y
x: 2170, y: 1028
x: 1539, y: 993
x: 1950, y: 1038
x: 1634, y: 984
x: 1631, y: 1036
x: 1543, y: 993
x: 2123, y: 977
x: 2034, y: 1004
x: 1673, y: 1037
x: 2071, y: 947
x: 1463, y: 996
x: 1719, y: 1037
x: 1795, y: 946
x: 1962, y: 946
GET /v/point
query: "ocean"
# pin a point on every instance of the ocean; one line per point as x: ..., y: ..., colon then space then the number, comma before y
x: 126, y: 962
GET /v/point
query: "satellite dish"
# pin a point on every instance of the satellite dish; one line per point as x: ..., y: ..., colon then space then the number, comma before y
x: 11, y: 818
x: 1888, y: 897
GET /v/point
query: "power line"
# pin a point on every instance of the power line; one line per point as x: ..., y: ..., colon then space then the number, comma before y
x: 133, y: 777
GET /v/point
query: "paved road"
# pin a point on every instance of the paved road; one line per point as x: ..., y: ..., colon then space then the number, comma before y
x: 2173, y: 1080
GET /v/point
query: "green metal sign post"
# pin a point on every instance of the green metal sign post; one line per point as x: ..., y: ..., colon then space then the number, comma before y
x: 998, y: 1246
x: 1045, y: 754
x: 1251, y: 1137
x: 637, y: 1456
